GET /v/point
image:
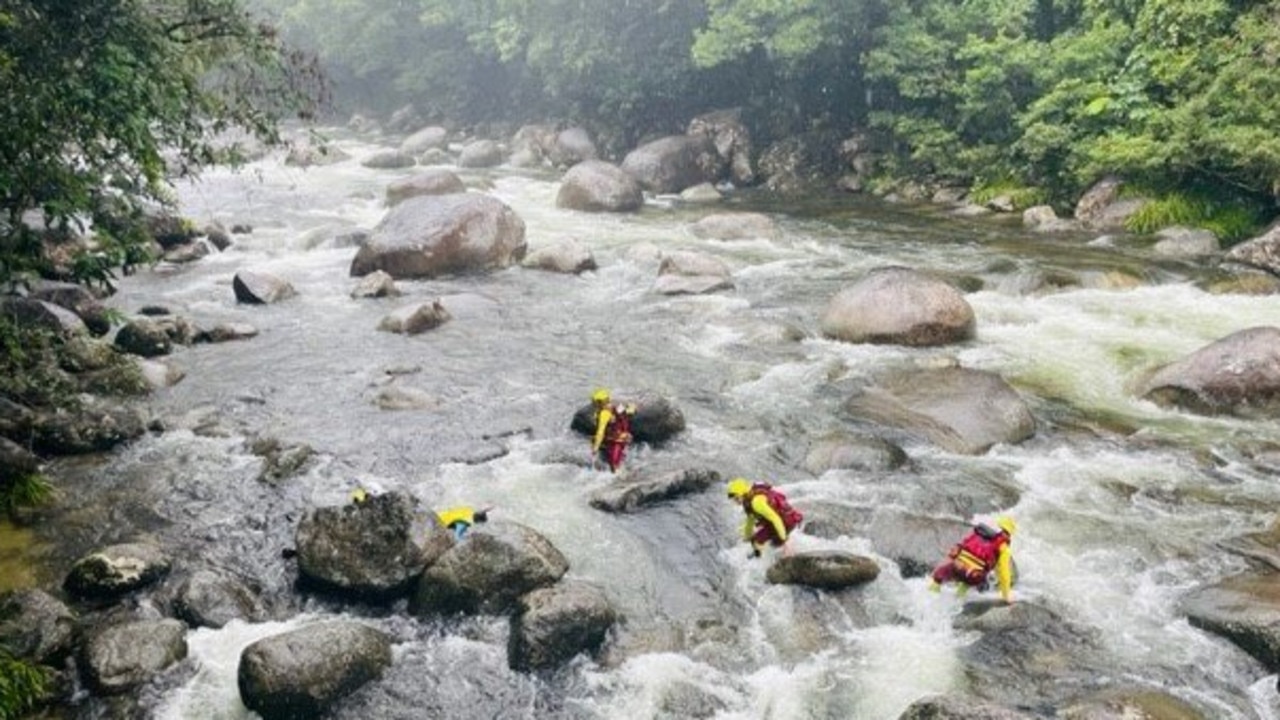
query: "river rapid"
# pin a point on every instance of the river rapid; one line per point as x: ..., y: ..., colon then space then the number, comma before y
x: 1121, y: 504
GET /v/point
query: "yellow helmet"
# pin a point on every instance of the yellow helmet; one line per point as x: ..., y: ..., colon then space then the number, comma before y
x: 359, y: 495
x: 1007, y: 524
x: 600, y: 395
x: 738, y: 488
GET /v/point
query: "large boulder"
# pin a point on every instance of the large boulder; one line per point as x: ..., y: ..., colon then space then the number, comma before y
x: 429, y: 182
x: 827, y: 569
x: 637, y: 492
x: 732, y: 141
x: 488, y: 571
x: 376, y: 548
x: 1244, y: 609
x: 1103, y: 208
x: 432, y: 235
x: 553, y: 624
x: 40, y: 314
x: 301, y: 673
x: 122, y: 657
x: 656, y: 420
x: 36, y: 626
x: 145, y: 338
x: 480, y: 154
x: 115, y: 570
x: 208, y: 598
x: 388, y: 160
x: 899, y: 306
x: 260, y: 288
x: 79, y: 300
x: 673, y: 163
x: 1237, y: 375
x: 1262, y: 252
x: 599, y: 186
x: 961, y: 410
x: 572, y: 146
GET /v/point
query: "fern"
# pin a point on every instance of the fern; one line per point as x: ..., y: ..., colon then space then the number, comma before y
x: 23, y: 685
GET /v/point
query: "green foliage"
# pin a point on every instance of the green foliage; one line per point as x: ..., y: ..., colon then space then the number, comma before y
x: 25, y: 491
x: 93, y: 94
x: 1230, y: 221
x: 23, y: 685
x: 29, y: 367
x: 1021, y: 196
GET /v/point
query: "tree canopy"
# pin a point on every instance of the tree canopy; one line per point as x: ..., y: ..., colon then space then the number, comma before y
x: 102, y: 100
x: 1050, y: 93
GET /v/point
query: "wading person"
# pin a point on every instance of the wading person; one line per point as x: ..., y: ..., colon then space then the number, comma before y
x: 970, y: 563
x: 460, y: 519
x: 613, y: 430
x: 769, y: 517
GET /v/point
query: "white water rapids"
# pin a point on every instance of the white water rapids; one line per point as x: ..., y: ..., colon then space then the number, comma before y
x: 1114, y: 528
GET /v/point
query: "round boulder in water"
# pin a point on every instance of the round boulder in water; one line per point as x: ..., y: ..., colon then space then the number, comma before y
x: 828, y: 570
x: 488, y: 571
x: 116, y: 570
x: 430, y: 182
x: 554, y: 624
x: 673, y: 163
x: 656, y: 420
x: 565, y: 256
x: 431, y: 235
x: 36, y: 626
x: 122, y: 657
x: 899, y: 306
x: 599, y: 186
x: 375, y: 548
x: 1237, y: 375
x: 300, y: 673
x: 260, y: 288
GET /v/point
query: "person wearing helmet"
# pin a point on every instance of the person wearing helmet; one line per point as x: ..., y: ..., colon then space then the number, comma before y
x: 971, y: 562
x: 613, y: 430
x: 769, y: 517
x: 460, y: 519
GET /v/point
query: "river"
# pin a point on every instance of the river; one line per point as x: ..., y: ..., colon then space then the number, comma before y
x: 1120, y: 503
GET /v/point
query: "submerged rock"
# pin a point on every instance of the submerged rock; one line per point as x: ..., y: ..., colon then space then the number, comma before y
x: 599, y: 186
x: 1244, y: 609
x: 961, y: 410
x: 957, y: 707
x: 637, y: 492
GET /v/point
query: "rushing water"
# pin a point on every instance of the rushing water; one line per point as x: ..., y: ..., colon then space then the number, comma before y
x: 1119, y: 508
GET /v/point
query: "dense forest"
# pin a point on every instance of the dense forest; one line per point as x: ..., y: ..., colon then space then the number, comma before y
x: 1180, y: 97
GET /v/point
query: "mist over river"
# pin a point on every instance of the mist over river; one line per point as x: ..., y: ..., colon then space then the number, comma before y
x: 1122, y: 505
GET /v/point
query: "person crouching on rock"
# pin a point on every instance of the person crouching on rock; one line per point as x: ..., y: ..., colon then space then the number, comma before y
x: 613, y: 430
x: 970, y: 563
x: 769, y: 517
x: 460, y: 519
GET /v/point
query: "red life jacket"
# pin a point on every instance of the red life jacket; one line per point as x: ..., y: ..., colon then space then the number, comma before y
x: 790, y: 516
x: 619, y: 428
x: 980, y: 549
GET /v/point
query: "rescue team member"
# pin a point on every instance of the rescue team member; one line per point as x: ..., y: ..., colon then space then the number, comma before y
x: 971, y: 561
x: 460, y: 519
x: 769, y: 517
x: 613, y: 430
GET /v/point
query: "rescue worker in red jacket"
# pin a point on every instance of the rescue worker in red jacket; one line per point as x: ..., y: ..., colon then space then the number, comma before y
x: 769, y: 517
x: 613, y: 430
x: 970, y: 563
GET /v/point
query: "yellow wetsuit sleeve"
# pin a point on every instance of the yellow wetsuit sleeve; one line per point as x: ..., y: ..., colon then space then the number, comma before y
x: 1004, y: 572
x: 748, y: 526
x: 760, y: 506
x: 602, y: 423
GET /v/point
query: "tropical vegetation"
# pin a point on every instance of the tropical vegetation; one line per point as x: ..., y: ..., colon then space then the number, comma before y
x: 1176, y: 96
